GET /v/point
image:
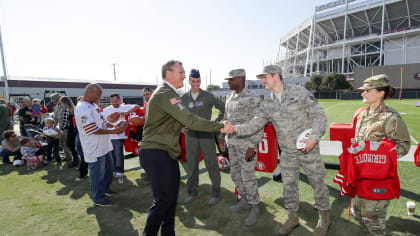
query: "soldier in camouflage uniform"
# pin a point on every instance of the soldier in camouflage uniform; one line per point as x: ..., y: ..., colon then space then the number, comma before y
x: 240, y: 108
x: 292, y: 109
x: 375, y: 123
x: 201, y: 103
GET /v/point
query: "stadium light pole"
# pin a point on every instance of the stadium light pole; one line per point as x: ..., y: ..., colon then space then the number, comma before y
x: 3, y: 61
x: 115, y: 73
x: 313, y: 42
x: 382, y: 33
x: 344, y: 37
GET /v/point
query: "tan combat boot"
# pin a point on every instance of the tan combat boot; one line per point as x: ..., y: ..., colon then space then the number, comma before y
x: 291, y: 223
x: 323, y: 223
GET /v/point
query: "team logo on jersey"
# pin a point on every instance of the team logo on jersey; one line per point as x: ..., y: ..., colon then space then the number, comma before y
x: 83, y: 119
x: 191, y: 105
x: 417, y: 76
x: 260, y: 165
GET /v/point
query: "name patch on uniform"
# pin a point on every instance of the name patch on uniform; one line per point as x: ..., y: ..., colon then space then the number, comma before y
x: 379, y: 190
x: 200, y: 103
x: 175, y: 100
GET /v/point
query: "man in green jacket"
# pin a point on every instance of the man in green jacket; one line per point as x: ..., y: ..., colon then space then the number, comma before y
x: 201, y: 103
x: 160, y: 149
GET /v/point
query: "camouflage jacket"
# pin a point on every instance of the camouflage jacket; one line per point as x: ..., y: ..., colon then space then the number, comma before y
x: 297, y: 111
x: 240, y: 108
x: 59, y: 115
x: 380, y: 123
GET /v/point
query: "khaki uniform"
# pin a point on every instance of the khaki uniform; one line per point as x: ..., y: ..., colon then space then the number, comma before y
x: 295, y: 111
x: 240, y: 108
x: 202, y: 106
x: 374, y: 125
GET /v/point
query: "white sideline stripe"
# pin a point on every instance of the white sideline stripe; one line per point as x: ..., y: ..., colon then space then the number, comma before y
x: 332, y: 106
x: 414, y: 140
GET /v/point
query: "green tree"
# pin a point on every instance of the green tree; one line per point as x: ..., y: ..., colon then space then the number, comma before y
x: 212, y: 86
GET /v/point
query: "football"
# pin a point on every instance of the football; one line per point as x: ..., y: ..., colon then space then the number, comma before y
x: 303, y: 136
x: 223, y: 162
x: 50, y: 132
x: 137, y: 121
x: 113, y: 117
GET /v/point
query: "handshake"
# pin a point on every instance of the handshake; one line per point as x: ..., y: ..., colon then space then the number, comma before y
x: 228, y: 129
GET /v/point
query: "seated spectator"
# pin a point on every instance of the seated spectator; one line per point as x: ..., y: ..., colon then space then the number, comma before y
x: 32, y: 155
x: 52, y: 140
x: 10, y: 146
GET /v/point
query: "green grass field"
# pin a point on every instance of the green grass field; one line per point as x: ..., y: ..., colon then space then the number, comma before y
x: 48, y: 201
x: 339, y: 111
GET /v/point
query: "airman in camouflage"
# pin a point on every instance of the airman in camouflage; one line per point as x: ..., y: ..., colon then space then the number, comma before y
x: 240, y: 108
x: 375, y: 123
x: 292, y: 110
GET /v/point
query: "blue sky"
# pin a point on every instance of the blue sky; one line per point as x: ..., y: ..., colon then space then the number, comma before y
x: 81, y: 39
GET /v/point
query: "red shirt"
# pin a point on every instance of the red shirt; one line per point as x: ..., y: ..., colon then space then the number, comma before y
x: 13, y: 109
x: 369, y: 169
x: 44, y: 110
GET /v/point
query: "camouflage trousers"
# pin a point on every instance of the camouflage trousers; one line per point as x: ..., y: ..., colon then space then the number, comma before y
x: 243, y: 173
x: 314, y: 167
x: 371, y: 214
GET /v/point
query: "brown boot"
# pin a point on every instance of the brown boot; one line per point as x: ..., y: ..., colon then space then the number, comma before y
x: 291, y: 223
x: 323, y: 223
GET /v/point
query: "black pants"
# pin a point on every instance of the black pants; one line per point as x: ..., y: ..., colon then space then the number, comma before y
x: 52, y: 149
x: 163, y: 173
x: 83, y: 167
x: 71, y: 144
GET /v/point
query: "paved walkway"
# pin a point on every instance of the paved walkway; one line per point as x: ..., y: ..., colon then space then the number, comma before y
x: 333, y: 148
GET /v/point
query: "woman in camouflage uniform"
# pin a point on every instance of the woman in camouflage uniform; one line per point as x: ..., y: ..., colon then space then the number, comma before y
x: 373, y: 124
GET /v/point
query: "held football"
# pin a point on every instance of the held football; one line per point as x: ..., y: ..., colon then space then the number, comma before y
x: 50, y: 132
x: 303, y: 136
x: 113, y: 117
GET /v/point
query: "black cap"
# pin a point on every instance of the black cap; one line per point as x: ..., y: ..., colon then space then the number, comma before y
x: 194, y: 73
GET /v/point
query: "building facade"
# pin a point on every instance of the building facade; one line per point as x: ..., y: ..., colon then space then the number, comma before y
x: 346, y: 34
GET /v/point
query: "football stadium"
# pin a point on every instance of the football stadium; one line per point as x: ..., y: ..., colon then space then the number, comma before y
x: 356, y: 38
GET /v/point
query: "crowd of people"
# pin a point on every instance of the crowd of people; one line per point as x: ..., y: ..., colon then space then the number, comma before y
x: 94, y: 140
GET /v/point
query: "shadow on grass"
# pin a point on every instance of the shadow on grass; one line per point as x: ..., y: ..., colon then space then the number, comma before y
x: 199, y: 215
x: 112, y: 220
x: 6, y: 169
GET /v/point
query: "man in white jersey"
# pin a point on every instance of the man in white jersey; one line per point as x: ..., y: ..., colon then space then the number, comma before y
x: 96, y: 144
x: 117, y: 139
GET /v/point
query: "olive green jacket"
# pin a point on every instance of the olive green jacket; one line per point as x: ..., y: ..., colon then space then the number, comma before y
x: 165, y: 116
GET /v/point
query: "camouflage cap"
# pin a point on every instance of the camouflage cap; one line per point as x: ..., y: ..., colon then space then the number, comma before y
x: 54, y: 97
x: 376, y: 81
x: 236, y: 73
x: 270, y: 69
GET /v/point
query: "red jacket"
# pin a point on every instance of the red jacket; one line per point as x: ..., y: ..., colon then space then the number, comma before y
x: 369, y: 169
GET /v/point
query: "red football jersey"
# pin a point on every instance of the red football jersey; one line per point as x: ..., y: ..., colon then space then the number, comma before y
x: 369, y: 169
x: 130, y: 144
